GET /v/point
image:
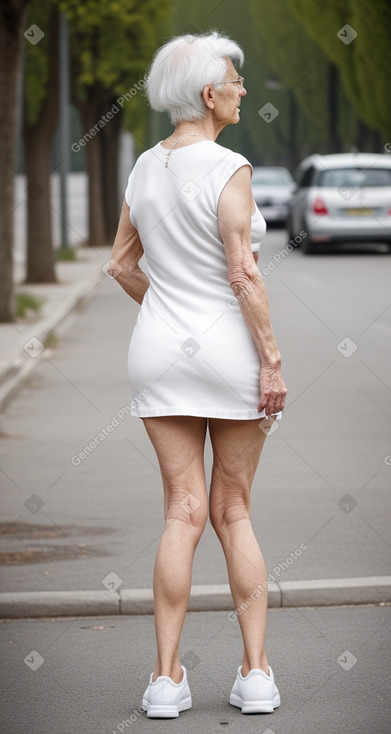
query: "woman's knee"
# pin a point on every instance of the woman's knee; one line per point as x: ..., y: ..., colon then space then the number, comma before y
x: 187, y: 507
x: 228, y: 503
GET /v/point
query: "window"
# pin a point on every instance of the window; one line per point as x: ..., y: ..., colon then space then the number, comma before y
x: 271, y: 177
x: 306, y: 178
x: 357, y: 177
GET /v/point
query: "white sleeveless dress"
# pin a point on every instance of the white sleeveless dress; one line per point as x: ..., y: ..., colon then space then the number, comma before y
x: 191, y: 352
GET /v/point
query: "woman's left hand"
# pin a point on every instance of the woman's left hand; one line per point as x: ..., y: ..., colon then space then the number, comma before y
x: 272, y: 388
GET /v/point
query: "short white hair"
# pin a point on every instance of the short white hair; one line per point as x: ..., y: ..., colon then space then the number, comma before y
x: 183, y: 67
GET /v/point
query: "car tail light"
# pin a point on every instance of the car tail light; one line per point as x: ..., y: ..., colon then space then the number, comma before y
x: 319, y: 207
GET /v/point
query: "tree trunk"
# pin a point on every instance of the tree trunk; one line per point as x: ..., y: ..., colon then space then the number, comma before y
x: 38, y: 157
x: 294, y: 155
x: 11, y: 28
x: 363, y: 136
x: 335, y: 145
x: 109, y: 138
x: 368, y: 140
x: 38, y: 154
x: 96, y: 227
x: 378, y: 144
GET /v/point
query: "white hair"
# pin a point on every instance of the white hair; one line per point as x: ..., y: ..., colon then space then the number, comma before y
x: 183, y: 67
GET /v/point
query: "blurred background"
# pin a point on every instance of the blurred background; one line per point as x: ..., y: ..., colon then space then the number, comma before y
x: 74, y: 115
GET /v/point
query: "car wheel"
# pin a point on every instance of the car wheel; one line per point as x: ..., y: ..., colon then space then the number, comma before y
x: 308, y: 247
x: 290, y: 235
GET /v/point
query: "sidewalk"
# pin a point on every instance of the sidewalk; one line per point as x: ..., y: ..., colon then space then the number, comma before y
x: 87, y: 675
x: 80, y: 528
x: 22, y: 341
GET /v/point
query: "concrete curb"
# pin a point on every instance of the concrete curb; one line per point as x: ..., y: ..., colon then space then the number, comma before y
x: 317, y: 592
x: 15, y: 374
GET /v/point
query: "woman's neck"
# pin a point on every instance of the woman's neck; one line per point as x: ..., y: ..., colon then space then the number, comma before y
x: 193, y: 132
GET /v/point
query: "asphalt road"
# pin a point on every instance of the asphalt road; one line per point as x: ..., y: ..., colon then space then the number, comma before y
x: 323, y: 479
x: 87, y: 676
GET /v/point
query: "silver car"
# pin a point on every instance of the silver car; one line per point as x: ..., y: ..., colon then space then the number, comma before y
x: 272, y: 188
x: 341, y: 198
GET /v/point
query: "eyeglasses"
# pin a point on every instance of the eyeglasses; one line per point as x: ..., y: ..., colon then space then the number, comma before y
x: 239, y: 82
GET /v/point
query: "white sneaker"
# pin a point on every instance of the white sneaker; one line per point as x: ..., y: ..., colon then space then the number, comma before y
x: 164, y: 699
x: 257, y: 693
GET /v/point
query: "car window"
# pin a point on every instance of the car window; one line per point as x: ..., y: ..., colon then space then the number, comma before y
x: 271, y: 178
x: 339, y: 177
x: 306, y: 178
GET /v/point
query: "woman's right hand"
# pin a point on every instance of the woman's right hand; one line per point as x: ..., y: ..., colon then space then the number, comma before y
x: 272, y: 389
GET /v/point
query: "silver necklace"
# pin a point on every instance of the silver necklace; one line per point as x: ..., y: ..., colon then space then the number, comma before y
x: 177, y: 141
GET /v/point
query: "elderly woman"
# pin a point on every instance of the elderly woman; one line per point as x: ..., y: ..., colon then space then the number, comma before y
x: 202, y: 356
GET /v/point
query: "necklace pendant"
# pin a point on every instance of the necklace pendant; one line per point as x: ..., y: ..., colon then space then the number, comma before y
x: 176, y: 142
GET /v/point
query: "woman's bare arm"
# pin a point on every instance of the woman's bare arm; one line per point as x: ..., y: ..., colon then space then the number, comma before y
x: 234, y: 216
x: 127, y: 251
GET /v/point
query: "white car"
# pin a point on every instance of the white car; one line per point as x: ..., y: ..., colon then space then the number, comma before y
x: 342, y: 198
x: 272, y: 188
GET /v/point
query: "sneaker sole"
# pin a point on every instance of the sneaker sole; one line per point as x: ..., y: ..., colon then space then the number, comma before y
x: 166, y: 712
x: 254, y: 707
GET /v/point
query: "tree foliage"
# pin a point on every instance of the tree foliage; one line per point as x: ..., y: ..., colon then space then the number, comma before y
x: 365, y: 62
x: 294, y: 57
x: 11, y: 27
x: 112, y: 40
x: 111, y: 45
x: 36, y: 66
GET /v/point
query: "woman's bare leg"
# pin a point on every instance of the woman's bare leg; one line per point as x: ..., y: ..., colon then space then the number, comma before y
x: 237, y: 446
x: 179, y: 445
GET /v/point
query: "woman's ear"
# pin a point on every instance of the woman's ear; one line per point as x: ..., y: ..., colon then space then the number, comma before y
x: 207, y: 95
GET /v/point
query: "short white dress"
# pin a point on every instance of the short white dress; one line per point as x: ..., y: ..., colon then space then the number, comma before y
x: 191, y: 352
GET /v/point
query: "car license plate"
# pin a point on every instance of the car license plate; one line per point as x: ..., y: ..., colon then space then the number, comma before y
x: 362, y: 212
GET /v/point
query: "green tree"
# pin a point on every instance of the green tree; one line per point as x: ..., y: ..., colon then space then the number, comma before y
x: 365, y: 61
x: 310, y: 77
x: 12, y: 16
x: 111, y: 43
x: 40, y: 121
